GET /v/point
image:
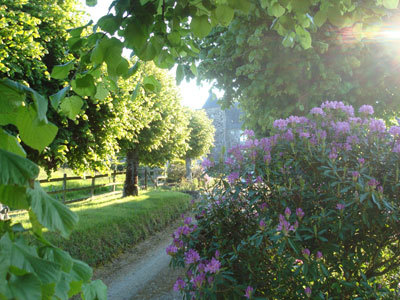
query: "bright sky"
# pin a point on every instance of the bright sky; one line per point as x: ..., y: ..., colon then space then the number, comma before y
x: 193, y: 96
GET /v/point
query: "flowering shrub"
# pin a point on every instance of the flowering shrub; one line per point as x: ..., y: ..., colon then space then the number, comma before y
x: 311, y: 212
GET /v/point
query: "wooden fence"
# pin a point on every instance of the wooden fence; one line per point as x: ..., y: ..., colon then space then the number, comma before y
x: 151, y: 174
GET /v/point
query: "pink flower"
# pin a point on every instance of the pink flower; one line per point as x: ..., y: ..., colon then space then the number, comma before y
x: 366, y: 109
x: 179, y: 285
x: 249, y: 292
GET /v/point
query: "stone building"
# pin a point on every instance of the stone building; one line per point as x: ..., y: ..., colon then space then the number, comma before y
x: 227, y: 123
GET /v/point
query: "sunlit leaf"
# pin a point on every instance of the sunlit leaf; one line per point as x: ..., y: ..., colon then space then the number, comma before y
x: 224, y: 14
x: 84, y: 85
x: 10, y: 143
x: 179, y: 74
x: 109, y: 23
x: 62, y: 71
x: 16, y: 169
x: 71, y: 106
x: 150, y: 83
x: 200, y: 26
x: 390, y: 4
x: 14, y: 196
x: 59, y: 96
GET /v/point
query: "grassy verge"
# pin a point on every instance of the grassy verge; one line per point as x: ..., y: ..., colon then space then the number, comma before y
x: 109, y: 225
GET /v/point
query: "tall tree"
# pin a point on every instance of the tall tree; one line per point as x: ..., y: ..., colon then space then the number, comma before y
x: 201, y: 137
x: 331, y: 55
x: 165, y: 135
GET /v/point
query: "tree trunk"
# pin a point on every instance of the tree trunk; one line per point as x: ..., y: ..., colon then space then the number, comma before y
x: 188, y: 168
x: 131, y: 187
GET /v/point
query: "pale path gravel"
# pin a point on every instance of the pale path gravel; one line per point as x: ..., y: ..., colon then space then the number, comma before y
x: 142, y: 272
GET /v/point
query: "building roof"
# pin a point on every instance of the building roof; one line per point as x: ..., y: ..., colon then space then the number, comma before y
x: 212, y: 101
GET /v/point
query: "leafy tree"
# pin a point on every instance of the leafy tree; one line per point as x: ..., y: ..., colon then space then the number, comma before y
x: 201, y: 137
x: 165, y: 135
x: 326, y: 58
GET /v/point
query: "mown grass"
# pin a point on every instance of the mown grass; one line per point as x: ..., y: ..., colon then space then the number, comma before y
x: 109, y: 225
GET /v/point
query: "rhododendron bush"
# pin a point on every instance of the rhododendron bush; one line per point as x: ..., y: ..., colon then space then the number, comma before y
x: 311, y: 212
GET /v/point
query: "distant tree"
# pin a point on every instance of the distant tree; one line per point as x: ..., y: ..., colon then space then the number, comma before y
x: 165, y: 135
x: 201, y: 137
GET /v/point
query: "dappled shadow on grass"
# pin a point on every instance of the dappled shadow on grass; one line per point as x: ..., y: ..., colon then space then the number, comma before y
x: 106, y: 228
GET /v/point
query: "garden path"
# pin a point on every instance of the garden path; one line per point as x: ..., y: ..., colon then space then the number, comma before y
x: 143, y: 271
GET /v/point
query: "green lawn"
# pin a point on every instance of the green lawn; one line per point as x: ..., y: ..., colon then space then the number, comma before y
x: 111, y: 224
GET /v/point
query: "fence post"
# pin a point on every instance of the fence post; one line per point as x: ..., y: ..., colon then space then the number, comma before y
x: 114, y: 178
x: 92, y: 189
x: 64, y: 186
x: 145, y: 178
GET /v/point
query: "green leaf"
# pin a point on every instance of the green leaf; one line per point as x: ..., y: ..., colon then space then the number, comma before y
x: 16, y: 170
x: 304, y: 37
x: 14, y: 196
x: 135, y: 36
x: 84, y: 85
x: 123, y: 67
x: 12, y: 94
x: 81, y: 271
x: 10, y: 143
x: 193, y: 68
x: 132, y: 70
x: 390, y: 4
x: 101, y: 92
x: 200, y: 26
x: 62, y: 71
x: 179, y: 74
x: 56, y: 98
x: 95, y: 290
x: 277, y: 10
x: 34, y: 133
x: 51, y: 213
x: 320, y: 18
x: 300, y: 6
x: 58, y: 256
x: 91, y: 2
x: 97, y: 55
x: 109, y: 23
x: 25, y: 287
x: 150, y: 83
x: 165, y: 60
x: 224, y: 14
x: 41, y: 105
x: 148, y: 52
x: 71, y: 106
x: 243, y: 5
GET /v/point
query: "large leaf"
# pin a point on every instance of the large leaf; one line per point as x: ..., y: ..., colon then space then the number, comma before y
x: 135, y: 36
x: 200, y: 26
x: 5, y: 256
x: 95, y: 290
x: 224, y: 14
x: 390, y: 4
x: 59, y: 96
x: 25, y: 287
x: 71, y: 106
x: 101, y: 92
x: 150, y: 83
x: 304, y: 37
x: 91, y: 2
x: 14, y: 196
x: 81, y: 271
x: 10, y: 143
x: 62, y: 71
x: 16, y: 170
x: 320, y: 18
x: 58, y: 256
x: 180, y: 73
x: 12, y: 94
x: 41, y: 105
x: 33, y: 132
x: 84, y: 85
x: 109, y: 23
x: 51, y: 213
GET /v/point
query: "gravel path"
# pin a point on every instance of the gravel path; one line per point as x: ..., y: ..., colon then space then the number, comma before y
x: 142, y: 272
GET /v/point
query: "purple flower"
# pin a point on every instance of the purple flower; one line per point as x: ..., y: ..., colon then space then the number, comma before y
x: 262, y: 224
x: 198, y: 280
x: 248, y: 133
x: 304, y: 134
x: 213, y: 266
x: 263, y: 206
x: 378, y: 126
x: 317, y: 111
x: 373, y: 182
x: 288, y: 212
x: 233, y: 177
x: 395, y: 130
x: 280, y: 124
x: 216, y: 254
x: 188, y: 220
x: 171, y: 249
x: 319, y: 255
x: 259, y: 179
x: 335, y: 105
x: 267, y: 157
x: 396, y: 148
x: 361, y: 161
x: 229, y: 161
x: 306, y: 252
x: 333, y: 154
x: 380, y: 189
x: 299, y: 213
x: 206, y: 163
x: 284, y: 225
x: 366, y: 109
x: 289, y: 135
x: 341, y: 127
x: 179, y: 285
x: 249, y: 292
x: 340, y: 206
x: 191, y: 256
x: 355, y: 175
x: 307, y: 291
x: 210, y: 280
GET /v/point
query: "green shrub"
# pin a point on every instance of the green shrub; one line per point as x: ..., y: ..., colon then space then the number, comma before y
x: 309, y: 212
x: 176, y: 171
